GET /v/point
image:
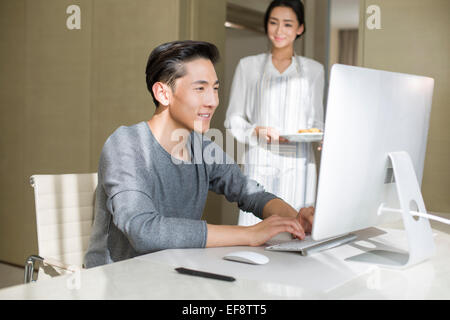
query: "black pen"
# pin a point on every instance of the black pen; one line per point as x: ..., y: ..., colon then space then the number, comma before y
x: 204, y: 274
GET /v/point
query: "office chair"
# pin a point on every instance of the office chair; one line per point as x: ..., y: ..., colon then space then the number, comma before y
x: 64, y: 216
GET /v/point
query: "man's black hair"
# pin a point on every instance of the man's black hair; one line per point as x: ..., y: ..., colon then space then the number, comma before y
x: 166, y: 62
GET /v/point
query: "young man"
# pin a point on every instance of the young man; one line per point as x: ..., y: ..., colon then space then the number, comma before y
x: 153, y: 180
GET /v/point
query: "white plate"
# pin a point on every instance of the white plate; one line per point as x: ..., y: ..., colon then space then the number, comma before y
x: 304, y: 137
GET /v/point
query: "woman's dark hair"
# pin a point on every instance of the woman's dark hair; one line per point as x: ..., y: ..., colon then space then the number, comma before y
x: 295, y: 5
x: 165, y: 63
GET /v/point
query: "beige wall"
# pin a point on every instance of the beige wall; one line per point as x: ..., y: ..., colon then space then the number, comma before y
x: 334, y: 48
x: 316, y: 36
x: 62, y: 92
x: 414, y: 38
x: 12, y: 131
x: 123, y: 34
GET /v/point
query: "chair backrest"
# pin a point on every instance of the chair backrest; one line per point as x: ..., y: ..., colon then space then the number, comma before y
x: 64, y: 214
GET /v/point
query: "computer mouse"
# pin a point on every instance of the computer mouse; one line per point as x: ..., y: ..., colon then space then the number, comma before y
x: 247, y: 257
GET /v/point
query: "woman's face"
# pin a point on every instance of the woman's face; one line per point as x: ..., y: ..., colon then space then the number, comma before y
x: 283, y: 27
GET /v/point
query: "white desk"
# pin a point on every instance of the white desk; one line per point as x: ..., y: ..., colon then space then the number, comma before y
x: 325, y: 275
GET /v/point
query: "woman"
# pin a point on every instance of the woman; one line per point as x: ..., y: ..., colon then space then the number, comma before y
x: 273, y: 93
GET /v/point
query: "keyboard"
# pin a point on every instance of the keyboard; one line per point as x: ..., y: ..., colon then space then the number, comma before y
x: 309, y: 244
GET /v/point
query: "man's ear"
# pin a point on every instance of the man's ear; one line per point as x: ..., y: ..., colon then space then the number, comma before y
x: 162, y: 93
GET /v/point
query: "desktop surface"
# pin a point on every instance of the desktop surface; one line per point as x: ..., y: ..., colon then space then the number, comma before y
x: 325, y: 275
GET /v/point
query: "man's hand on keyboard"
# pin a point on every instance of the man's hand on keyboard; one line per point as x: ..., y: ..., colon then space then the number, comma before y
x: 277, y: 207
x: 306, y: 218
x: 261, y: 232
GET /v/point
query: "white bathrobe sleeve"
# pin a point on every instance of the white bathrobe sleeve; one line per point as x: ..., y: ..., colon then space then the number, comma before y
x: 316, y: 119
x: 236, y: 119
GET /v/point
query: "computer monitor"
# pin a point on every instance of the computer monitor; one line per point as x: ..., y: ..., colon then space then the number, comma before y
x: 375, y: 121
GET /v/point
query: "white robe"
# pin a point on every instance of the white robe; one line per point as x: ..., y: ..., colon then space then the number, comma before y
x: 288, y: 101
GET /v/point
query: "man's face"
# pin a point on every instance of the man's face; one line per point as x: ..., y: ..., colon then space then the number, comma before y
x: 195, y: 96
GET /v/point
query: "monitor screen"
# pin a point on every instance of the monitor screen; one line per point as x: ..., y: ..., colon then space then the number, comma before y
x: 370, y: 113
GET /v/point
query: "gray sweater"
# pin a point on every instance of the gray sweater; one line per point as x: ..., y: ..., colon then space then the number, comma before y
x: 146, y: 201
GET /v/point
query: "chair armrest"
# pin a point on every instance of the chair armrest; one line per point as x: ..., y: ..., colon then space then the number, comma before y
x: 57, y: 264
x: 47, y: 264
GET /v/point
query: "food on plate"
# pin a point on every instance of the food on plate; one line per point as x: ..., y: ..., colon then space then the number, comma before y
x: 312, y: 130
